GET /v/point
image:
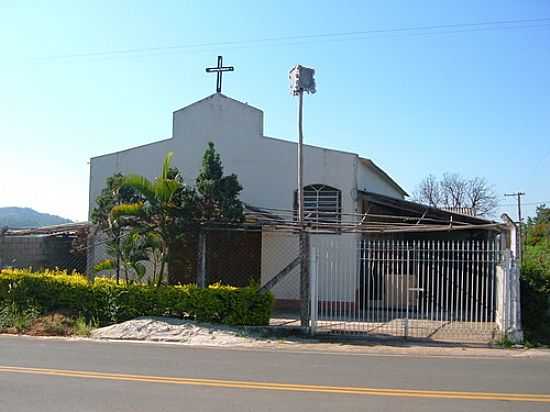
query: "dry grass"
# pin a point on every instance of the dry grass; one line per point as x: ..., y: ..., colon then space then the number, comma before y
x: 53, y: 324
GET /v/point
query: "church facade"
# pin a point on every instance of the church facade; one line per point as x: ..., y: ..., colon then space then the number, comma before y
x: 354, y: 273
x: 266, y: 166
x: 267, y: 169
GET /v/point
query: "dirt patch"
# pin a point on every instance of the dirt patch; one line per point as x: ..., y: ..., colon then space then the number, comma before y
x: 52, y: 324
x: 56, y: 324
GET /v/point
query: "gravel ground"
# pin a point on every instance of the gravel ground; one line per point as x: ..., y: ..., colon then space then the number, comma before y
x: 178, y: 331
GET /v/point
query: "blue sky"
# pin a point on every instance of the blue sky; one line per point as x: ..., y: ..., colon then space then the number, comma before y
x: 473, y: 100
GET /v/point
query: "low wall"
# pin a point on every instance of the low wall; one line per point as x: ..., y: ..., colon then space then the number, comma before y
x: 39, y: 252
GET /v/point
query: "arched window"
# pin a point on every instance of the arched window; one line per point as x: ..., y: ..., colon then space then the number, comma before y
x: 321, y: 204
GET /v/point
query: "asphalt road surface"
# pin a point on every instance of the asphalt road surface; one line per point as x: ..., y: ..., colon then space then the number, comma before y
x: 57, y: 376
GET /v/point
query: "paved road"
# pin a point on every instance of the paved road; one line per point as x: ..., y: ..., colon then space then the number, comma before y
x: 57, y: 375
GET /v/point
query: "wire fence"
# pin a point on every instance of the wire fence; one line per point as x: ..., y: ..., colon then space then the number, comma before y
x: 234, y: 256
x: 424, y: 288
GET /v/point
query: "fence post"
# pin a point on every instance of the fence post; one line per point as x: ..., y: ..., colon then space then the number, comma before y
x: 511, y: 274
x: 304, y: 277
x: 90, y: 252
x: 313, y: 293
x: 499, y: 293
x: 201, y: 260
x: 514, y: 331
x: 2, y: 241
x: 407, y: 276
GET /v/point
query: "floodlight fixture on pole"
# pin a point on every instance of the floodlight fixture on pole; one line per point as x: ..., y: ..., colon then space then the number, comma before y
x: 302, y: 80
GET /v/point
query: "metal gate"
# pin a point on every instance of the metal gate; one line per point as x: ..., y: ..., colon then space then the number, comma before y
x: 441, y: 290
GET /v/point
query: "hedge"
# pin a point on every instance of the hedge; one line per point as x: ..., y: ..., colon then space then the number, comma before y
x: 535, y: 303
x: 107, y: 302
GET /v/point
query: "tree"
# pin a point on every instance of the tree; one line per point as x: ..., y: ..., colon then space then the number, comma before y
x: 158, y: 211
x: 538, y: 227
x: 535, y: 277
x: 429, y: 191
x: 455, y: 191
x: 215, y: 201
x: 218, y: 195
x: 172, y: 213
x: 134, y: 248
x: 112, y: 226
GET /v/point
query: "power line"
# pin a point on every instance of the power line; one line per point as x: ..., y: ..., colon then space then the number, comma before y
x: 525, y: 203
x: 353, y: 35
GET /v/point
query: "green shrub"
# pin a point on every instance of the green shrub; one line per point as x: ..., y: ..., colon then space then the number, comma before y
x: 535, y: 304
x: 106, y: 302
x: 535, y: 291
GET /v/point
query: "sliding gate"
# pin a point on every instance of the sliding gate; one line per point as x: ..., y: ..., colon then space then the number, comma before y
x: 441, y: 290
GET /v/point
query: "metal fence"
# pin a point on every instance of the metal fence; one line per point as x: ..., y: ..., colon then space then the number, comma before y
x: 233, y: 256
x: 436, y: 289
x: 416, y: 288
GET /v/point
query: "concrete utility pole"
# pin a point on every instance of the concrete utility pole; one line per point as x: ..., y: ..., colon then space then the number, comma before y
x: 520, y: 221
x: 300, y: 158
x: 301, y: 80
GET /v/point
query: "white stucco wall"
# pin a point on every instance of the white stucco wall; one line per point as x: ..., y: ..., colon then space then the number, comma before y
x: 369, y: 180
x: 337, y: 265
x: 266, y: 167
x: 278, y: 250
x: 144, y: 160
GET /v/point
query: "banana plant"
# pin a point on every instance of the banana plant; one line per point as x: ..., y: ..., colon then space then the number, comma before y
x: 157, y: 213
x: 134, y: 249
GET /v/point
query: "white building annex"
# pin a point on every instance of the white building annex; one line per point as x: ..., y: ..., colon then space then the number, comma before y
x: 266, y: 168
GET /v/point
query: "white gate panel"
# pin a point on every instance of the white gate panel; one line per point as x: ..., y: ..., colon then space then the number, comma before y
x: 430, y: 289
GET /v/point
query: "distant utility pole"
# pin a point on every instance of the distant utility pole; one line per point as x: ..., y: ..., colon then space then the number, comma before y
x: 302, y: 80
x: 520, y: 221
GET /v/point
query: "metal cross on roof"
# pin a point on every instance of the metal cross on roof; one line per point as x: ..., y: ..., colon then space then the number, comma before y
x: 219, y: 70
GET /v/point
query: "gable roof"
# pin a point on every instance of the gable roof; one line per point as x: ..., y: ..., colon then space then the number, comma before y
x: 218, y: 96
x: 369, y: 163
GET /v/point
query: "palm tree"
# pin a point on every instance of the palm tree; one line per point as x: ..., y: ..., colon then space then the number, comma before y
x: 159, y: 210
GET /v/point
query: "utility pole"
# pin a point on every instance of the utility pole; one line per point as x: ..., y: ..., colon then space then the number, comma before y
x: 520, y: 221
x: 301, y: 80
x: 300, y: 158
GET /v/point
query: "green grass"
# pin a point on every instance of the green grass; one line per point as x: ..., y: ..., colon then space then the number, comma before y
x: 83, y: 328
x: 13, y: 320
x: 504, y: 343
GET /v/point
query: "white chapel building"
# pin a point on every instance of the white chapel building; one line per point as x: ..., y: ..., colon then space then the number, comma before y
x: 266, y: 168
